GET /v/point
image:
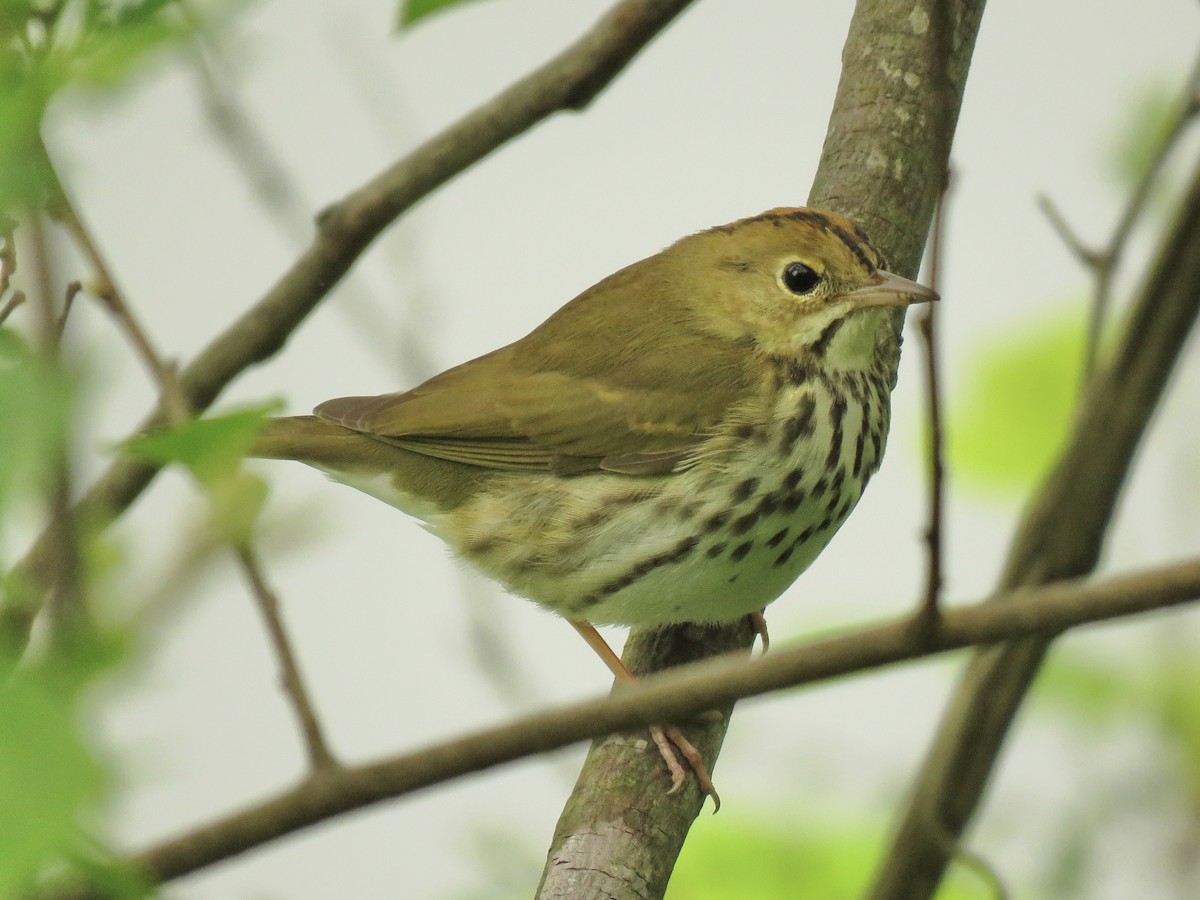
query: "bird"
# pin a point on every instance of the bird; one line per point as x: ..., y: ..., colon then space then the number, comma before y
x: 678, y: 443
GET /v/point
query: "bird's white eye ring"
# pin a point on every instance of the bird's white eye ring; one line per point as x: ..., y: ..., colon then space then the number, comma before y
x: 799, y: 278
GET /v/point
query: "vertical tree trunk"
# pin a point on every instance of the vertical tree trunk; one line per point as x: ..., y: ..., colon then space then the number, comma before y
x: 884, y: 163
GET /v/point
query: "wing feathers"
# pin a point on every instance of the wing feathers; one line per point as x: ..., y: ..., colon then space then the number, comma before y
x: 601, y: 385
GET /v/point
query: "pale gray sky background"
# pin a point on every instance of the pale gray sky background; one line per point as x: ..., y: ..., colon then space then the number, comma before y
x: 722, y: 117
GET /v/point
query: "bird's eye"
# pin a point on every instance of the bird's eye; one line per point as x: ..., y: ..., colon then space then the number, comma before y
x: 799, y: 278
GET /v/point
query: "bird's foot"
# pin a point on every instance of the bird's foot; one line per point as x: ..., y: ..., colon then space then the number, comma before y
x: 671, y: 741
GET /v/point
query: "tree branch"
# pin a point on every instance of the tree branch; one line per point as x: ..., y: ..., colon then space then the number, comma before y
x: 927, y: 327
x: 67, y: 606
x: 319, y: 754
x: 1060, y: 536
x: 884, y: 163
x: 1103, y: 263
x: 674, y: 696
x: 569, y: 81
x: 171, y: 399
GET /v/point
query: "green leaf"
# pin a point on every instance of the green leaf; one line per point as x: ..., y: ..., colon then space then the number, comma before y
x: 24, y: 176
x: 35, y: 406
x: 112, y: 50
x: 1009, y: 417
x: 48, y: 777
x: 735, y: 859
x: 210, y: 448
x: 95, y: 45
x: 413, y: 10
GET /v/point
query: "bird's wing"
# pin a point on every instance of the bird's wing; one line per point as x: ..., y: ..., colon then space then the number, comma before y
x: 594, y: 388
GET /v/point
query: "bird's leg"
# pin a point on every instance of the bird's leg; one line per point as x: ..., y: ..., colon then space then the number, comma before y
x: 668, y: 738
x: 759, y: 624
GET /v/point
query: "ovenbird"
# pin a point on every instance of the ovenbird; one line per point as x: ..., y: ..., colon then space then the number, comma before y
x: 677, y: 443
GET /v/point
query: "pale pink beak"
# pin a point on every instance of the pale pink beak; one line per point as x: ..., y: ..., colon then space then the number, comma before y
x: 887, y: 289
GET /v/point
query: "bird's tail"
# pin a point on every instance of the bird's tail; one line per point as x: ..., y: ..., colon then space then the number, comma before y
x: 405, y: 479
x: 316, y: 442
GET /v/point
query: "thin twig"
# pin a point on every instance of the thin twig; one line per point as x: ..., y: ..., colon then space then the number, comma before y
x: 67, y: 609
x: 17, y: 298
x: 8, y: 253
x: 176, y: 406
x: 319, y: 755
x: 177, y: 410
x: 1089, y: 258
x: 927, y: 324
x: 965, y: 856
x: 1103, y: 263
x: 675, y: 696
x: 262, y: 168
x: 165, y: 375
x: 73, y: 289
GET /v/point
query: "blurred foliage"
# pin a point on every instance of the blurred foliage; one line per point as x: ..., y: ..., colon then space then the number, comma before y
x: 1162, y: 691
x: 209, y: 448
x: 35, y: 405
x: 411, y: 11
x: 760, y: 856
x: 51, y: 782
x: 212, y: 450
x: 48, y: 46
x: 1141, y: 130
x: 1009, y: 415
x: 754, y: 856
x: 47, y: 776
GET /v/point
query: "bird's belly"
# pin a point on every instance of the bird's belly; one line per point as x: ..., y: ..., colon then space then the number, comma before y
x: 709, y: 544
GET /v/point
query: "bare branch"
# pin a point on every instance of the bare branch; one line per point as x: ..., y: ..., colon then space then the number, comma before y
x: 926, y: 323
x: 319, y: 755
x: 17, y: 298
x: 66, y: 606
x: 165, y: 376
x: 8, y: 258
x: 569, y: 81
x: 72, y: 291
x: 1061, y: 536
x: 1089, y: 258
x: 675, y: 696
x: 1104, y: 262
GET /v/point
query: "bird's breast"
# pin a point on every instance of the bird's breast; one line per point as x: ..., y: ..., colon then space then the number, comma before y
x: 715, y: 541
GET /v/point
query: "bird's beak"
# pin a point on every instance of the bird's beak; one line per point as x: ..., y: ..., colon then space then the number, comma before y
x: 887, y: 289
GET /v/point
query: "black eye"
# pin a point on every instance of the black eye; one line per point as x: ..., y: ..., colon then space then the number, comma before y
x: 799, y: 278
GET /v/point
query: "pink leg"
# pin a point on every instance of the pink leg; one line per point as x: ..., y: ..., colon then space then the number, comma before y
x: 759, y: 624
x: 668, y: 739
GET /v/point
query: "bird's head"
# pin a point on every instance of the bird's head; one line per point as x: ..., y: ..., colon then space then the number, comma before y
x: 795, y: 282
